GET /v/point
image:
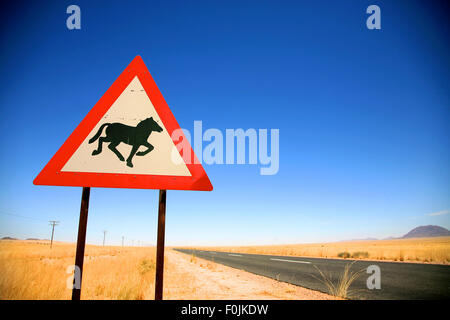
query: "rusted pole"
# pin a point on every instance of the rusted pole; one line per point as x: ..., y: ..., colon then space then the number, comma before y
x: 160, y: 245
x: 81, y: 242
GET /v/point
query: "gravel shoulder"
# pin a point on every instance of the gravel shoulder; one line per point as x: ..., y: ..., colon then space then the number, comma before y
x: 188, y: 277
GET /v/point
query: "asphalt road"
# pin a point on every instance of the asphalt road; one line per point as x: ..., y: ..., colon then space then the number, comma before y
x: 398, y: 280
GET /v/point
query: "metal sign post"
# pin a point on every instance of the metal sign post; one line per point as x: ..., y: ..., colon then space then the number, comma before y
x: 81, y: 242
x: 160, y: 245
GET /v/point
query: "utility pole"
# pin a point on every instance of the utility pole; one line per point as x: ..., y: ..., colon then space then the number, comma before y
x: 53, y: 223
x: 104, y: 236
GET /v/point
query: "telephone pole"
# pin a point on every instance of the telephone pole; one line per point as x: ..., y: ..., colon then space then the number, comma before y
x: 104, y: 236
x: 53, y: 223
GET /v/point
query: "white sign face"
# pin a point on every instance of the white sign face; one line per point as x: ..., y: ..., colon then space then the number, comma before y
x: 119, y: 142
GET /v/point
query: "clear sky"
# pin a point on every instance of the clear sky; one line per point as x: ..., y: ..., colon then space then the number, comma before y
x: 363, y: 115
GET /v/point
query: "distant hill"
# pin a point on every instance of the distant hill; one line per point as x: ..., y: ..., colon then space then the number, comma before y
x: 390, y: 238
x: 427, y: 231
x: 364, y: 239
x: 8, y: 238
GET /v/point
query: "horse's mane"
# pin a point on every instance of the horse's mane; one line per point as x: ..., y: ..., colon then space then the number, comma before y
x: 144, y: 123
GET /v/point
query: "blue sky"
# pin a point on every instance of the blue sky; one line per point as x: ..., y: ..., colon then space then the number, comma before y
x: 363, y: 115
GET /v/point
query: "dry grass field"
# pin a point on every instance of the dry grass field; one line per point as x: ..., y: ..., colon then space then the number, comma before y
x: 31, y: 270
x: 424, y: 250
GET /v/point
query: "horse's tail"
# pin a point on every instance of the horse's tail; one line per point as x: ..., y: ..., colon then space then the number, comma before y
x: 99, y: 132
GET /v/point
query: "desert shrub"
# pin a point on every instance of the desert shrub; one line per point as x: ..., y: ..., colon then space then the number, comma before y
x: 344, y: 255
x: 146, y: 266
x: 339, y: 288
x: 360, y: 254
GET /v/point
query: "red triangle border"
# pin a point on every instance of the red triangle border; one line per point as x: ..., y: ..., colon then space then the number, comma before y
x: 52, y: 174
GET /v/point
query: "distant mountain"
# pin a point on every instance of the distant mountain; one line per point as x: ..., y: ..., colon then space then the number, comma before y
x: 390, y: 238
x: 427, y: 231
x: 8, y: 238
x: 365, y: 239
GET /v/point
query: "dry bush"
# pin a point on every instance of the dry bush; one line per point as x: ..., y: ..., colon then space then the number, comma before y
x: 344, y: 255
x: 341, y: 287
x: 360, y: 255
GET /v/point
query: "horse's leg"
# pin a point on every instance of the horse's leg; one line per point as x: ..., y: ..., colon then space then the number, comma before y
x: 132, y: 153
x: 149, y: 148
x: 112, y: 146
x: 99, y: 148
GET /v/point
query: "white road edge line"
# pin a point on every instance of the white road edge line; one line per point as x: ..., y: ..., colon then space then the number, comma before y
x: 284, y: 260
x: 235, y: 255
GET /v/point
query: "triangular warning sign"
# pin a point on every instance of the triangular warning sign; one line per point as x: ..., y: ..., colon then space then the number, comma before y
x: 126, y: 141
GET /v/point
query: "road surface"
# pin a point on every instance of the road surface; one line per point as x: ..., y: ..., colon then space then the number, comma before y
x: 399, y: 280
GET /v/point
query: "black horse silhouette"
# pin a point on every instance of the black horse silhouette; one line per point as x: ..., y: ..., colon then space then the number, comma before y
x: 135, y: 136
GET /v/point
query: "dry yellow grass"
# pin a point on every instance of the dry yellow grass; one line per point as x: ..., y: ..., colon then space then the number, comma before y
x: 31, y: 270
x: 341, y: 288
x: 427, y: 250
